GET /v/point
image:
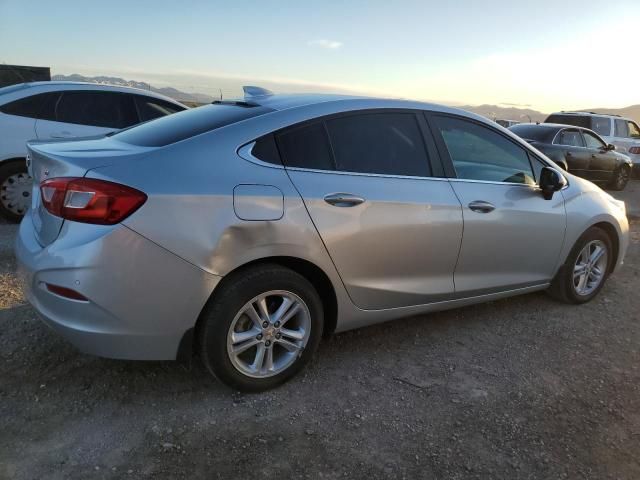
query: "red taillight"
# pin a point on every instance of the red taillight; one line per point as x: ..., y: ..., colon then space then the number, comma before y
x: 89, y: 200
x: 634, y: 150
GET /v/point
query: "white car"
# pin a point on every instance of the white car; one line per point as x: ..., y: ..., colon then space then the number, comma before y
x: 62, y: 110
x: 622, y: 132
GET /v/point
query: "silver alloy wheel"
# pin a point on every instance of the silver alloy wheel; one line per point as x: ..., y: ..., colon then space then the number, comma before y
x: 623, y: 177
x: 590, y: 267
x: 268, y: 334
x: 15, y: 193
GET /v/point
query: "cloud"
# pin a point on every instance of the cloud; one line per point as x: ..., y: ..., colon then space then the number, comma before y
x: 324, y: 43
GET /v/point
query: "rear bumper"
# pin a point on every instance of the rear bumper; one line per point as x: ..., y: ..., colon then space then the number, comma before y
x: 141, y: 298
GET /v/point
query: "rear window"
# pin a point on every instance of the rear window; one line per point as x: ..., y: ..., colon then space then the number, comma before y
x: 575, y: 120
x: 189, y: 123
x: 537, y: 133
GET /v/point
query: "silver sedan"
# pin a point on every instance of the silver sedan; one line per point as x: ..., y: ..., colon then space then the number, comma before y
x: 247, y: 230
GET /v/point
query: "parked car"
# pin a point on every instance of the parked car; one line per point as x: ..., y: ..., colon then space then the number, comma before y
x: 62, y: 110
x: 507, y: 123
x: 622, y: 132
x: 248, y: 230
x: 580, y: 151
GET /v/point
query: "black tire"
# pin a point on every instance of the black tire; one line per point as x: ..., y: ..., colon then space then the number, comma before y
x: 8, y: 169
x: 620, y: 178
x: 562, y: 287
x: 237, y: 289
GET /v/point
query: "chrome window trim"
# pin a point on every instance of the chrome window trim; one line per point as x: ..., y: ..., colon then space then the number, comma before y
x: 245, y: 152
x: 492, y: 182
x: 363, y: 174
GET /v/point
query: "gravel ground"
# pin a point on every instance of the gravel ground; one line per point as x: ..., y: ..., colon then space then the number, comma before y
x: 518, y: 388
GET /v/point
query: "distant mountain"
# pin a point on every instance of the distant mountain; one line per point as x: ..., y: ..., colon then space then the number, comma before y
x: 506, y: 113
x: 192, y: 98
x: 493, y: 112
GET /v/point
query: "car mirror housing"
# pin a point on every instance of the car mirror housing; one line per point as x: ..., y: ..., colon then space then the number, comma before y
x: 551, y: 181
x: 610, y: 147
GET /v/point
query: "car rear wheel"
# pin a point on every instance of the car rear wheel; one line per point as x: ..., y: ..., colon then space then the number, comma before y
x: 620, y: 178
x: 261, y: 327
x: 586, y: 270
x: 15, y: 190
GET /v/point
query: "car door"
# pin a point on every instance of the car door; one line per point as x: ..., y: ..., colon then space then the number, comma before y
x: 603, y: 161
x: 391, y: 226
x: 512, y: 235
x: 86, y: 113
x: 573, y: 147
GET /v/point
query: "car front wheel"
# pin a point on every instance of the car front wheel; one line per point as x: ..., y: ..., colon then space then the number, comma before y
x: 261, y: 327
x: 586, y: 269
x: 620, y: 178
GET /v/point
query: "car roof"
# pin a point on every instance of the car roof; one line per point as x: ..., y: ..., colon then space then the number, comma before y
x: 55, y: 85
x: 591, y: 114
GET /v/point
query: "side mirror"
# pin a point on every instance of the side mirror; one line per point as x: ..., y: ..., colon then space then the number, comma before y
x: 611, y: 147
x: 551, y: 181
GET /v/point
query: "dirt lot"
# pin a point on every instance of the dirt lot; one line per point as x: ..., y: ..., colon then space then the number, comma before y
x: 520, y: 388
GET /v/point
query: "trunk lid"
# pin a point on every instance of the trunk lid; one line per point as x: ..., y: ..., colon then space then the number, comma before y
x: 68, y: 159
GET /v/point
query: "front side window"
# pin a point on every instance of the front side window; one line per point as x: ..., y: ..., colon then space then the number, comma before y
x: 382, y: 143
x: 601, y: 125
x: 480, y: 153
x: 592, y: 141
x: 571, y: 138
x: 621, y: 128
x: 634, y: 130
x: 152, y: 108
x: 98, y: 109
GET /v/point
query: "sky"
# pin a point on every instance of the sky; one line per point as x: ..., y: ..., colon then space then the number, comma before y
x: 542, y: 54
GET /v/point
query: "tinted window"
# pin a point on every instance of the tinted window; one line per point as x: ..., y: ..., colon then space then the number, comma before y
x: 152, y: 108
x: 265, y: 149
x: 539, y: 133
x: 601, y: 125
x: 306, y: 146
x: 634, y: 131
x: 98, y: 109
x: 592, y: 141
x: 576, y: 120
x: 621, y: 128
x: 187, y: 124
x: 571, y: 138
x: 480, y: 153
x: 29, y: 106
x: 384, y: 143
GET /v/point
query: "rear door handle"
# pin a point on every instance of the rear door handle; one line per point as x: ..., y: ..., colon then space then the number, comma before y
x: 481, y: 206
x: 343, y: 200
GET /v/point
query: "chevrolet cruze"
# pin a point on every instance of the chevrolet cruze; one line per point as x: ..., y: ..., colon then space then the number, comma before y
x: 248, y: 230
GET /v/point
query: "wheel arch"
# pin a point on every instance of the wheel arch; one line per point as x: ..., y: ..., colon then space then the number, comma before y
x: 612, y: 233
x: 313, y: 273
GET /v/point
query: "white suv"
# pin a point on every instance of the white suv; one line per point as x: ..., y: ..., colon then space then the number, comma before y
x: 55, y: 110
x: 622, y: 132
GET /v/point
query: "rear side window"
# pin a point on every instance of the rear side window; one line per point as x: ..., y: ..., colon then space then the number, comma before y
x: 571, y: 138
x: 601, y: 125
x: 621, y: 128
x: 187, y: 124
x: 98, y: 109
x: 383, y: 143
x: 480, y: 153
x: 152, y: 108
x: 31, y: 106
x: 306, y: 146
x: 265, y: 149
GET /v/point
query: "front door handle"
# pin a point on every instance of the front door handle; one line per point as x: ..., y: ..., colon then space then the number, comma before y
x: 481, y: 206
x: 343, y: 200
